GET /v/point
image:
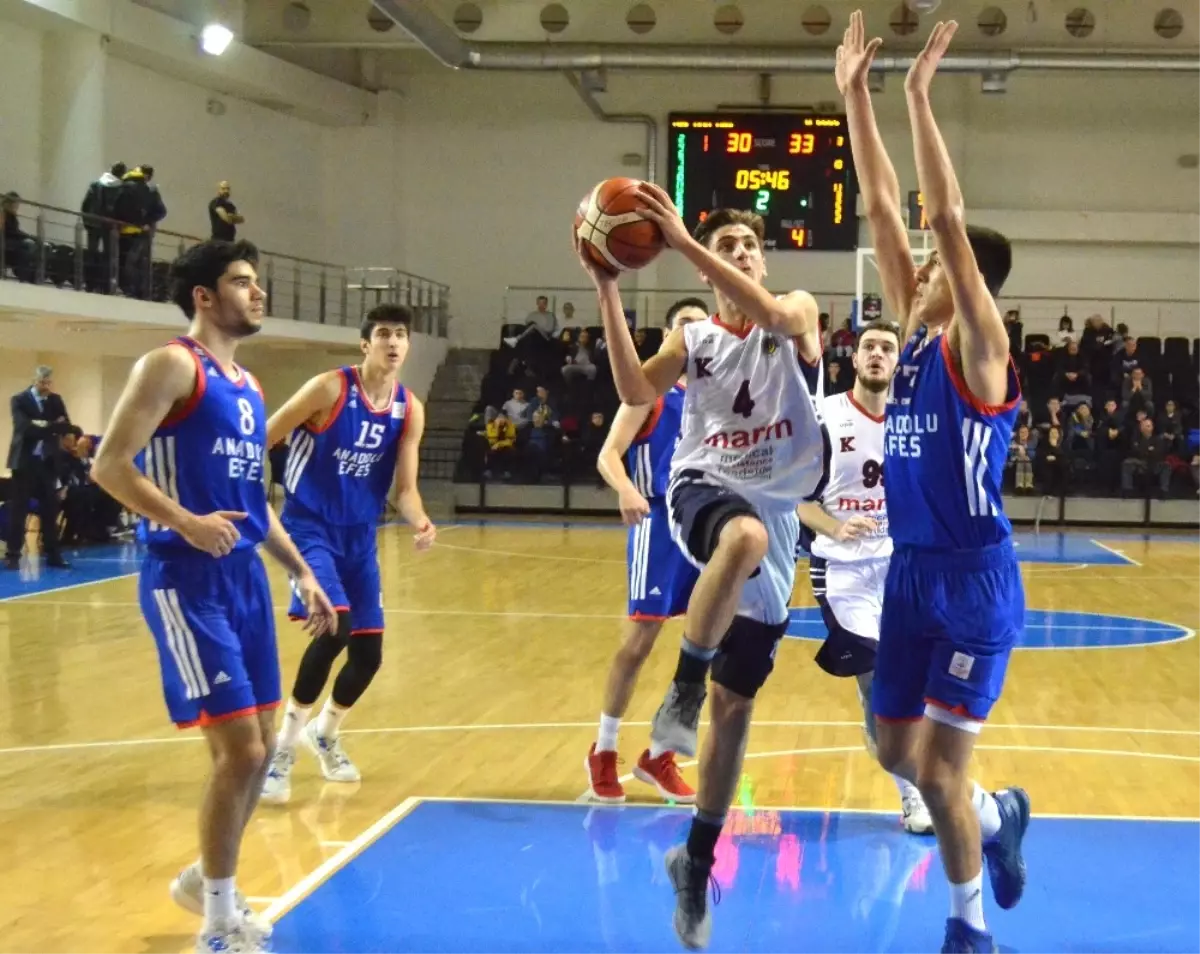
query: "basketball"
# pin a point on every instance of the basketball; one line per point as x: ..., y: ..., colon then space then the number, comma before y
x: 611, y: 233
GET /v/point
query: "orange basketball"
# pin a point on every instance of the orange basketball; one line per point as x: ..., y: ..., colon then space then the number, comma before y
x: 610, y: 231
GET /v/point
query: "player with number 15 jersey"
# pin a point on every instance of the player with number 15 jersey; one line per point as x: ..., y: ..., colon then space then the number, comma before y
x: 352, y: 431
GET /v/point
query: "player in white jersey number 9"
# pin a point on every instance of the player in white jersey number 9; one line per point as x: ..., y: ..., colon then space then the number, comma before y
x: 751, y: 445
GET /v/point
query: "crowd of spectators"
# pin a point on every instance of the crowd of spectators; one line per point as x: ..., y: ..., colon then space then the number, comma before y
x: 1103, y: 412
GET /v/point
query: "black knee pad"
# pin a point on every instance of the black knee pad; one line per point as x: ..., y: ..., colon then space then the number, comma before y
x: 363, y: 658
x: 318, y: 660
x: 746, y: 655
x: 366, y: 652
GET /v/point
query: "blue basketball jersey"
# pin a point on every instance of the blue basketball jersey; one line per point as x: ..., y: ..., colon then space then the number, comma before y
x: 944, y: 452
x: 343, y: 472
x: 648, y: 459
x: 210, y: 455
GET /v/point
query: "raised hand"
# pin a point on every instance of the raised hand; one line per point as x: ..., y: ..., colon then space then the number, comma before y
x: 854, y: 57
x: 856, y: 527
x: 661, y: 210
x: 920, y: 74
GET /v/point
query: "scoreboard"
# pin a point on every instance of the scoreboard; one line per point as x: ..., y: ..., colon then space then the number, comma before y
x: 793, y: 169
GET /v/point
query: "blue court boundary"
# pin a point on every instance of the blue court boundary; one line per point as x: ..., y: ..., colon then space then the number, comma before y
x: 292, y: 904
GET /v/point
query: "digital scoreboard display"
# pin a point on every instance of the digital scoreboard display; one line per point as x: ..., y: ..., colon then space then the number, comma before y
x: 793, y: 169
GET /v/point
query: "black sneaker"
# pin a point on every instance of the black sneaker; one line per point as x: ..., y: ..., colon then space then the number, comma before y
x: 692, y: 919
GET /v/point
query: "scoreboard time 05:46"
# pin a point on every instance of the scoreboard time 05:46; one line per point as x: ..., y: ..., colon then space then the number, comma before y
x: 793, y: 169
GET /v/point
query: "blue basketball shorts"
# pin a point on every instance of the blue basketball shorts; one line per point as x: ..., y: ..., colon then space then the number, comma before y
x: 950, y: 621
x: 660, y: 579
x: 215, y: 631
x: 345, y: 561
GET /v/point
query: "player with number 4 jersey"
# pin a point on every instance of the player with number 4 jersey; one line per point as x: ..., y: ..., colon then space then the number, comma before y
x: 752, y: 446
x: 353, y: 430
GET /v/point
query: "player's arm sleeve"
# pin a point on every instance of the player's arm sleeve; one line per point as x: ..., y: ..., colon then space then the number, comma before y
x: 160, y: 381
x: 626, y: 426
x: 312, y: 402
x: 636, y: 383
x: 814, y: 516
x: 408, y: 460
x: 880, y: 191
x: 984, y: 337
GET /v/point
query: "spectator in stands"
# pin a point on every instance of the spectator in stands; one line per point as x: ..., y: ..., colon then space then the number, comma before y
x: 1125, y: 360
x: 1053, y: 463
x: 502, y: 444
x: 1081, y: 431
x: 1053, y: 416
x: 1072, y: 379
x: 1065, y: 333
x: 100, y: 203
x: 568, y: 314
x: 158, y: 208
x: 1024, y: 416
x: 541, y: 402
x: 579, y: 363
x: 1119, y: 336
x: 39, y: 416
x: 88, y: 509
x: 1020, y: 459
x: 641, y: 344
x: 835, y: 381
x: 1170, y: 426
x: 1097, y: 335
x: 591, y: 442
x: 1147, y: 457
x: 1137, y: 393
x: 540, y: 321
x: 135, y: 209
x: 223, y: 217
x: 1110, y: 443
x: 518, y: 410
x: 543, y: 442
x: 842, y: 341
x: 20, y: 248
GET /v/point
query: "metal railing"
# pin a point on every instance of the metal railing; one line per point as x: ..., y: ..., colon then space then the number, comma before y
x: 1039, y: 314
x: 90, y: 253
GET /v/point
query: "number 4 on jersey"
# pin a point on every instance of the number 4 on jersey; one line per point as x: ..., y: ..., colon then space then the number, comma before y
x: 743, y: 404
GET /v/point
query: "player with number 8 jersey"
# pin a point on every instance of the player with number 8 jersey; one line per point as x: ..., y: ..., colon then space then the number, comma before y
x: 353, y: 430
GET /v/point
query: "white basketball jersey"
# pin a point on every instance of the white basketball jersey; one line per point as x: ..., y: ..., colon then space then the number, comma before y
x: 750, y: 421
x: 855, y: 480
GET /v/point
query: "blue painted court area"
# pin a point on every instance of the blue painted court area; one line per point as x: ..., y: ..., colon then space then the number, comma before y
x: 511, y: 876
x: 88, y: 565
x: 1044, y: 629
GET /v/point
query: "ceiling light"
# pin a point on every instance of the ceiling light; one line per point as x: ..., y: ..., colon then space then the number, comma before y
x: 215, y: 39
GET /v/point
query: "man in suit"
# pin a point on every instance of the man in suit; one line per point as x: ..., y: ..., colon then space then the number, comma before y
x: 38, y: 418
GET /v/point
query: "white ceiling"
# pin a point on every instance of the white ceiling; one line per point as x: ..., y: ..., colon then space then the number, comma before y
x: 333, y: 38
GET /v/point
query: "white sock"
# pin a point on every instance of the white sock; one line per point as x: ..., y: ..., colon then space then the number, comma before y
x: 295, y: 717
x: 330, y: 718
x: 988, y: 812
x: 220, y: 907
x: 904, y: 786
x: 966, y: 902
x: 606, y: 741
x: 656, y: 750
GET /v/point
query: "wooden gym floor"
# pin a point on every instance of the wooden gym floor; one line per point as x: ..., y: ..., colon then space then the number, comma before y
x: 497, y: 645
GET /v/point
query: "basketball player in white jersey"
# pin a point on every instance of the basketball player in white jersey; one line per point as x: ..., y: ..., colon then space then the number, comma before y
x: 850, y: 545
x: 751, y: 446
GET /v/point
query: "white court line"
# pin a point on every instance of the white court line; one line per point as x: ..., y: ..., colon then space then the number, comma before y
x: 543, y: 726
x: 69, y: 586
x: 306, y: 885
x: 585, y: 797
x: 1114, y: 552
x: 527, y: 556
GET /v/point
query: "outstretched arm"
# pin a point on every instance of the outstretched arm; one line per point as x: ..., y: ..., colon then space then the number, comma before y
x: 978, y: 334
x: 636, y: 383
x: 408, y: 496
x: 876, y: 175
